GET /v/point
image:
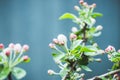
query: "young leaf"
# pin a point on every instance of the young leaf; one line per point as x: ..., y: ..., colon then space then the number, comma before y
x: 86, y: 68
x: 4, y: 73
x: 19, y: 73
x: 75, y: 44
x: 94, y: 15
x: 58, y: 56
x: 87, y: 49
x: 67, y: 16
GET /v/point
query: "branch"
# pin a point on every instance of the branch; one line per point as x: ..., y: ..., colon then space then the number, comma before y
x: 75, y: 63
x: 10, y: 76
x: 105, y: 75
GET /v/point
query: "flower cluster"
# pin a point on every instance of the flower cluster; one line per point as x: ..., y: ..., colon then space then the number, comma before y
x: 74, y: 58
x: 113, y: 55
x: 10, y: 57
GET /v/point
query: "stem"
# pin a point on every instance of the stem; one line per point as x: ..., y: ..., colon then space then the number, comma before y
x: 10, y: 76
x: 105, y: 75
x: 75, y: 63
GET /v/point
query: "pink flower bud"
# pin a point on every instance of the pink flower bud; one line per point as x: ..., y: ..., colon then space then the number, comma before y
x: 25, y: 47
x: 109, y: 49
x: 61, y: 43
x: 51, y: 45
x: 55, y: 41
x: 51, y: 72
x: 11, y: 45
x: 17, y: 48
x: 25, y: 58
x: 7, y: 51
x: 1, y: 46
x: 76, y: 8
x: 73, y: 36
x: 81, y: 2
x: 74, y: 29
x: 94, y: 5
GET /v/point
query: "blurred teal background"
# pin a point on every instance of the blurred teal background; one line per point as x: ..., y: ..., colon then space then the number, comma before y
x: 35, y: 22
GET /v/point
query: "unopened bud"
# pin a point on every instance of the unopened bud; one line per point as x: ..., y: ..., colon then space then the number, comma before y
x: 11, y: 45
x: 93, y: 21
x: 85, y: 4
x: 25, y: 58
x: 7, y: 51
x: 51, y: 72
x: 25, y: 47
x: 98, y: 60
x: 118, y: 51
x: 82, y: 75
x: 94, y: 5
x: 99, y: 27
x: 77, y: 8
x: 81, y: 2
x: 55, y: 41
x: 110, y: 49
x: 78, y: 69
x: 62, y: 39
x: 1, y: 46
x: 73, y: 36
x: 51, y: 45
x: 74, y: 29
x: 17, y: 48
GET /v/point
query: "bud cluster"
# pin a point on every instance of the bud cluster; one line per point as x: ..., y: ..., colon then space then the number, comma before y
x: 14, y: 53
x: 85, y: 4
x: 60, y: 40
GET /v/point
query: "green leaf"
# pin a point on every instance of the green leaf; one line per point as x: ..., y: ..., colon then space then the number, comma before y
x: 58, y: 56
x: 86, y: 68
x: 94, y: 15
x: 19, y: 73
x: 4, y: 73
x: 87, y: 49
x: 67, y: 16
x: 75, y: 44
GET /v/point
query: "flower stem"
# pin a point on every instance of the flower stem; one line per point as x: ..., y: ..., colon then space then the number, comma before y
x: 9, y: 76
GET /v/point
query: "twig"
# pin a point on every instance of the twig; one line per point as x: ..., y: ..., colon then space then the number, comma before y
x: 10, y: 76
x: 106, y: 74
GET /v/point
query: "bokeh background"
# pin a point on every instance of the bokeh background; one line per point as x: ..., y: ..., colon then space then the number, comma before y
x: 35, y: 22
